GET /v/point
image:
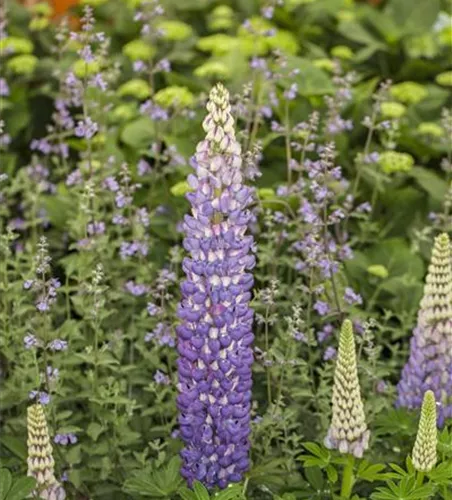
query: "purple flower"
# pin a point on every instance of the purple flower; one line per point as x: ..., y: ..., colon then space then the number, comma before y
x: 65, y: 439
x: 28, y: 284
x: 321, y: 307
x: 215, y: 334
x: 325, y: 333
x: 161, y: 378
x: 86, y: 128
x: 291, y: 93
x: 40, y: 396
x: 136, y: 289
x: 58, y: 345
x: 4, y: 89
x: 330, y: 353
x: 352, y: 297
x: 30, y: 341
x: 429, y: 366
x: 153, y: 309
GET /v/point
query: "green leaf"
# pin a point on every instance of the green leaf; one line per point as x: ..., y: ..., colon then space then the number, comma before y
x: 21, y: 488
x: 311, y: 80
x: 414, y: 17
x: 232, y: 492
x: 430, y: 182
x: 16, y: 446
x: 138, y: 134
x: 94, y: 430
x: 186, y: 494
x: 5, y: 483
x: 369, y: 472
x: 200, y: 491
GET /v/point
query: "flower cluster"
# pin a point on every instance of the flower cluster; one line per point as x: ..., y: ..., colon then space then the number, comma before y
x: 40, y: 459
x: 214, y: 338
x: 424, y: 450
x: 348, y: 430
x: 429, y: 366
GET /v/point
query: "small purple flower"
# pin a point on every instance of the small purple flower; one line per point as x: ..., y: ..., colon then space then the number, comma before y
x: 329, y: 354
x: 58, y: 345
x: 291, y: 93
x: 321, y: 307
x: 28, y: 284
x: 143, y: 167
x: 86, y: 128
x: 30, y: 341
x: 161, y: 378
x: 300, y: 336
x: 65, y: 439
x: 43, y: 305
x: 153, y: 309
x: 136, y: 289
x: 381, y: 386
x: 325, y: 333
x: 4, y: 89
x: 41, y: 396
x: 351, y: 297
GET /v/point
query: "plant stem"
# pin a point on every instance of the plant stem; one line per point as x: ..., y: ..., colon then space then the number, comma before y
x: 347, y: 478
x: 420, y: 479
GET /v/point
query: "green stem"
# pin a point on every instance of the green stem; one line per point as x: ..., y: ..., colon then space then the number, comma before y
x: 420, y: 479
x: 347, y: 478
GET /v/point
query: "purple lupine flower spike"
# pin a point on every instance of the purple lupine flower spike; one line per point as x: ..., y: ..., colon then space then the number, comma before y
x: 215, y: 334
x: 429, y: 366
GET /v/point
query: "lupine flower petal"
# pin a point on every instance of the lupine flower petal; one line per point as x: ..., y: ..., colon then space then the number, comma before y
x: 215, y: 334
x: 424, y: 451
x: 429, y: 366
x: 348, y: 430
x: 40, y: 459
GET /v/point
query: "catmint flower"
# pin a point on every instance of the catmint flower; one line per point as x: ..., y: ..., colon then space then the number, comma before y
x: 325, y: 333
x: 291, y: 93
x: 348, y: 430
x: 4, y: 89
x: 40, y: 396
x: 215, y: 337
x: 58, y: 345
x: 424, y: 450
x: 30, y: 341
x: 329, y: 354
x: 136, y: 289
x: 40, y: 460
x: 161, y: 378
x: 65, y: 439
x: 351, y: 297
x: 28, y: 284
x: 321, y: 307
x: 153, y: 309
x: 430, y: 361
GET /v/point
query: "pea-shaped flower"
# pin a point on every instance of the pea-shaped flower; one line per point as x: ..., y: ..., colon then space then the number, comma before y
x: 348, y: 431
x: 40, y: 460
x: 429, y: 366
x: 424, y: 450
x: 215, y: 334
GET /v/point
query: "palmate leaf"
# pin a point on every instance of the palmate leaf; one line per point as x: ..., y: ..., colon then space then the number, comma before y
x: 370, y: 472
x: 156, y: 484
x: 17, y: 490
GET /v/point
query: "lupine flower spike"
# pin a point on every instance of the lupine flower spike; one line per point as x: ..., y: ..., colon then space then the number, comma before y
x: 40, y: 459
x: 429, y: 366
x: 348, y: 431
x: 214, y: 338
x: 424, y: 450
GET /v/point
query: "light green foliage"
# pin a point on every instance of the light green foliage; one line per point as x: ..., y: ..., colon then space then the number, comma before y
x: 393, y: 161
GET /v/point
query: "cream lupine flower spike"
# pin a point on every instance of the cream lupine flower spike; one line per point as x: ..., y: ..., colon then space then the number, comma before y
x: 40, y: 460
x: 348, y: 430
x: 424, y: 450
